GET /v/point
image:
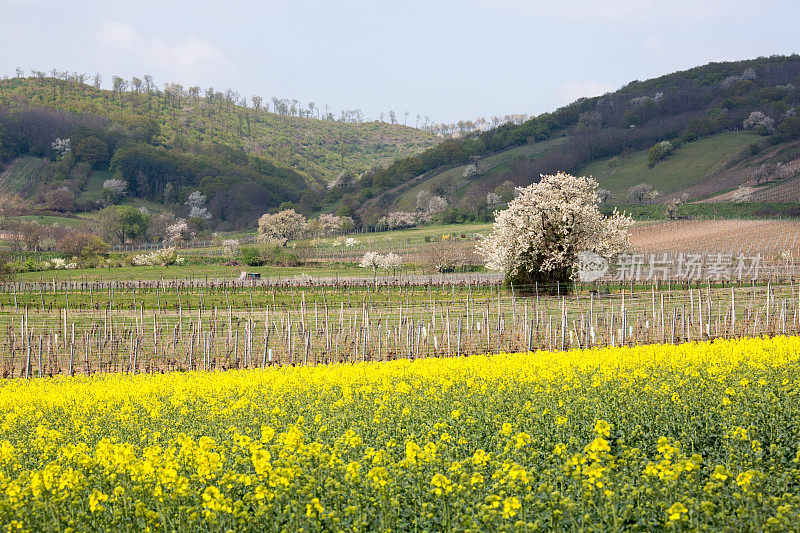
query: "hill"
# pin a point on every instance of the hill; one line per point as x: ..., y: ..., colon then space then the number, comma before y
x: 243, y: 159
x: 714, y: 118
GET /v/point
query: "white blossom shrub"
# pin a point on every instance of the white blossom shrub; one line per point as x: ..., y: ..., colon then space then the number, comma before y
x: 743, y: 194
x: 165, y: 257
x: 539, y: 236
x: 230, y: 247
x: 58, y: 263
x: 61, y: 146
x: 115, y: 189
x: 350, y: 241
x: 492, y: 198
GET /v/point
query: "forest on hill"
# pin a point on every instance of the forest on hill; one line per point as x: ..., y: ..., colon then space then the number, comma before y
x: 166, y: 144
x: 72, y: 147
x: 677, y: 108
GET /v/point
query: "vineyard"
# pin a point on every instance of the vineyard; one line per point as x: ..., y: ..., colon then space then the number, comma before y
x: 155, y: 328
x: 21, y: 174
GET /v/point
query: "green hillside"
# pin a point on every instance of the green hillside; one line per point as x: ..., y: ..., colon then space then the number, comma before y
x: 319, y: 149
x: 690, y: 164
x: 702, y: 112
x: 455, y: 182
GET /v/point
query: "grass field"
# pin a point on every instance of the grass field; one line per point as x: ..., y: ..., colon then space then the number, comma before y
x: 412, y: 235
x: 94, y: 186
x: 689, y: 164
x: 49, y: 220
x: 191, y: 272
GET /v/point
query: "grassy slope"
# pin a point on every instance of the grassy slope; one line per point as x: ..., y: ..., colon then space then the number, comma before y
x: 313, y: 147
x: 488, y: 167
x: 691, y: 163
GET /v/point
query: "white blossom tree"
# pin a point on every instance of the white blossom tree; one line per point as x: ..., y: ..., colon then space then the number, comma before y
x: 230, y: 247
x: 430, y: 203
x: 114, y: 190
x: 178, y: 232
x: 329, y: 224
x: 61, y: 146
x: 197, y: 206
x: 282, y: 226
x: 391, y: 262
x: 537, y: 239
x: 604, y: 195
x: 759, y: 122
x: 642, y: 193
x: 371, y: 260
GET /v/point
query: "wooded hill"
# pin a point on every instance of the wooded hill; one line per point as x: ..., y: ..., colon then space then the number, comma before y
x: 680, y: 108
x: 168, y: 143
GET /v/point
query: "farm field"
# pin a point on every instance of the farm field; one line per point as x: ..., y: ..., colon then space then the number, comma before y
x: 775, y: 240
x: 771, y: 238
x: 697, y: 436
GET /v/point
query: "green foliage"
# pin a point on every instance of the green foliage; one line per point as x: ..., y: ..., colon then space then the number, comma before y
x: 121, y: 223
x: 280, y: 256
x: 789, y: 129
x: 250, y: 256
x: 91, y: 150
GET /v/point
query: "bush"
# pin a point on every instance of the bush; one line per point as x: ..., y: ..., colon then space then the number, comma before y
x: 251, y: 256
x: 280, y: 256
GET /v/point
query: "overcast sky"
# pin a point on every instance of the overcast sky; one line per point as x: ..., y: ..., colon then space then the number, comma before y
x: 445, y: 59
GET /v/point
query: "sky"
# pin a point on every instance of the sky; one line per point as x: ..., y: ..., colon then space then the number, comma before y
x: 449, y: 60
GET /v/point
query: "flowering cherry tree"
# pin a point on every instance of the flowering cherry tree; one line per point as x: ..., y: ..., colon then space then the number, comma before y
x: 282, y: 226
x: 539, y: 236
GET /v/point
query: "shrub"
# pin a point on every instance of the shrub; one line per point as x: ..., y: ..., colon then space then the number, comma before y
x: 250, y: 256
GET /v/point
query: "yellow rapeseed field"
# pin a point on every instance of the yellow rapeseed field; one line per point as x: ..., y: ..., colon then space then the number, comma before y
x: 697, y: 436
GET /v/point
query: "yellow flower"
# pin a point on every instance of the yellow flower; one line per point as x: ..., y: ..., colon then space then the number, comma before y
x: 676, y: 511
x: 441, y: 484
x: 510, y: 506
x: 96, y: 499
x: 314, y: 508
x: 744, y: 480
x: 602, y: 428
x: 521, y: 440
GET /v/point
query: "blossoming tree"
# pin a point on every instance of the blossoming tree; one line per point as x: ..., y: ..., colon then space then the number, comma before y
x: 282, y: 226
x: 537, y: 239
